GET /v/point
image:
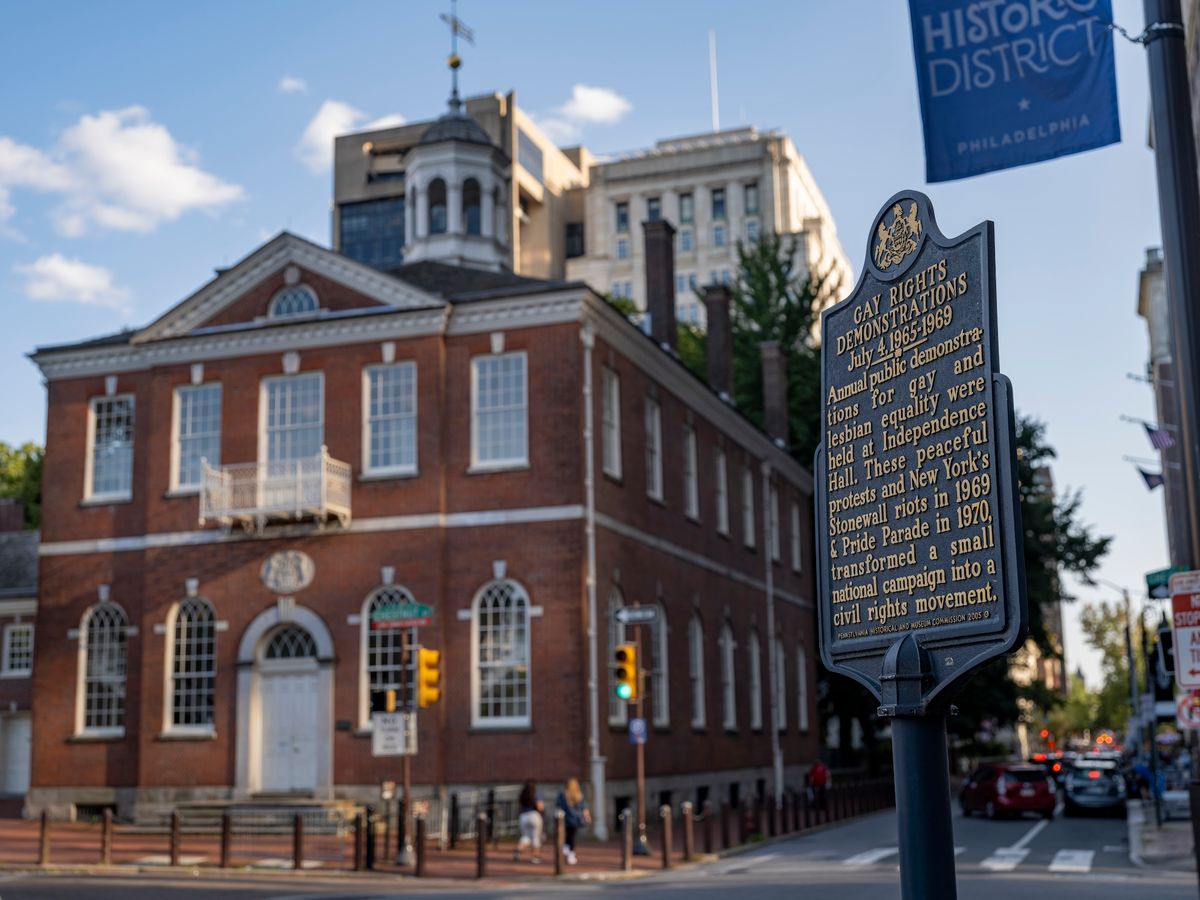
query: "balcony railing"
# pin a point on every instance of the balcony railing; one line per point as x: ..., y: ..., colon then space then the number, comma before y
x: 254, y: 495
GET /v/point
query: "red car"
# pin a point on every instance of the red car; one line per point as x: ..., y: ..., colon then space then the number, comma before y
x: 1001, y: 789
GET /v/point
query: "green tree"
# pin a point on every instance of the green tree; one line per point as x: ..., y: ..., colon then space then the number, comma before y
x: 21, y: 478
x: 1103, y: 627
x: 1077, y: 714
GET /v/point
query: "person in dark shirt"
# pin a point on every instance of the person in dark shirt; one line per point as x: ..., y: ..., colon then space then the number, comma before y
x: 529, y: 822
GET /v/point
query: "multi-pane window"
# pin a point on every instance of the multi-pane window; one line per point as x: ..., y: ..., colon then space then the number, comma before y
x: 193, y: 664
x: 622, y: 248
x: 197, y: 431
x: 718, y: 203
x: 660, y: 691
x: 499, y: 399
x: 391, y: 426
x: 686, y: 241
x: 290, y: 642
x: 718, y: 239
x: 437, y: 206
x: 797, y: 559
x: 747, y: 506
x: 654, y: 476
x: 721, y: 490
x: 781, y: 684
x: 112, y: 447
x: 502, y: 655
x: 295, y: 417
x: 622, y: 217
x: 696, y: 671
x: 384, y: 648
x: 752, y: 230
x: 653, y: 209
x: 801, y: 687
x: 372, y: 231
x: 691, y: 480
x: 104, y: 644
x: 18, y: 649
x: 751, y: 195
x: 754, y: 652
x: 687, y: 209
x: 294, y: 300
x: 692, y: 282
x: 618, y: 709
x: 728, y: 685
x: 610, y: 421
x: 774, y: 514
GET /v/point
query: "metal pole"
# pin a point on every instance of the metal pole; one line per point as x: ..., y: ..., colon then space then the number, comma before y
x: 226, y: 838
x: 106, y: 825
x: 922, y: 767
x: 640, y: 846
x: 1179, y: 214
x: 664, y: 815
x: 420, y: 866
x: 1153, y: 720
x: 626, y: 840
x: 174, y: 837
x: 560, y: 821
x: 404, y: 826
x: 298, y: 842
x: 481, y: 822
x: 44, y: 839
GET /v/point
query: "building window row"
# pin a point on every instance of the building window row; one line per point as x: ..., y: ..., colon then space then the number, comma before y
x: 687, y: 218
x: 727, y: 647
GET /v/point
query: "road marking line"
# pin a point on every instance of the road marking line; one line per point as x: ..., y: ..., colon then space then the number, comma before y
x: 1030, y: 835
x: 870, y: 857
x: 162, y: 859
x: 1072, y: 861
x: 1005, y: 859
x: 279, y: 862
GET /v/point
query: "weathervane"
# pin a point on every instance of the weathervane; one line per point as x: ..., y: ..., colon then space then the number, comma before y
x: 457, y: 27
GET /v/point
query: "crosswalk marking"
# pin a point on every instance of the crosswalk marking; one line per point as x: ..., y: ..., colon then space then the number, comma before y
x: 870, y: 857
x: 162, y: 859
x: 1072, y: 861
x: 1005, y: 859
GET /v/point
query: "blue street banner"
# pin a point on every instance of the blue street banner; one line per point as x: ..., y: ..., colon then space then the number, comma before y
x: 1006, y: 83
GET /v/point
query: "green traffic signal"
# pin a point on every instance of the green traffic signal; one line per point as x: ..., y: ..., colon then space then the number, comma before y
x: 624, y: 691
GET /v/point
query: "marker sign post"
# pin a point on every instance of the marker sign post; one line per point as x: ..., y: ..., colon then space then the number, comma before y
x: 921, y: 577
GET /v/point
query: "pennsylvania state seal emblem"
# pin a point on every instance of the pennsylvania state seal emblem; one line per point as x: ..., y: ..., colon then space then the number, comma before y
x: 896, y: 241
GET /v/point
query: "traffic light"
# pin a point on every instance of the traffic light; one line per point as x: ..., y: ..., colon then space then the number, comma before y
x: 429, y: 677
x: 625, y: 671
x: 1045, y: 733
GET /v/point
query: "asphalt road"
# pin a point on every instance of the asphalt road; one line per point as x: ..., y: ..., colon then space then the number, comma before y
x: 1027, y: 858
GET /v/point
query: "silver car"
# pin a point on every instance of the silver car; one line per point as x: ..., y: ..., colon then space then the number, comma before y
x: 1094, y: 784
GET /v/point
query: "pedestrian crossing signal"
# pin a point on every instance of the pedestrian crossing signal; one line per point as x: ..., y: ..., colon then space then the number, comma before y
x: 383, y: 701
x: 429, y: 677
x: 625, y: 671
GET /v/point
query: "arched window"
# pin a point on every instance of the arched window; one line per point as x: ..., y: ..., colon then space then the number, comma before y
x: 193, y: 664
x: 500, y: 651
x: 728, y: 686
x: 294, y: 300
x: 437, y: 206
x: 472, y: 214
x: 781, y: 684
x: 618, y: 710
x: 383, y: 650
x: 801, y: 687
x: 104, y: 637
x: 290, y: 642
x: 756, y: 705
x: 660, y: 686
x: 696, y: 671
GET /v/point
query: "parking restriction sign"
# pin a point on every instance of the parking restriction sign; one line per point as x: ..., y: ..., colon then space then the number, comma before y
x: 1185, y: 628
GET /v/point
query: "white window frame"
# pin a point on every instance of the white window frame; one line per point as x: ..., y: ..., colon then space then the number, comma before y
x: 263, y: 401
x: 728, y: 678
x: 618, y: 710
x: 364, y: 652
x: 748, y: 536
x: 610, y: 421
x: 654, y: 450
x: 273, y: 307
x: 691, y: 474
x: 797, y: 555
x: 169, y: 727
x: 781, y: 685
x: 90, y: 495
x: 696, y: 671
x: 81, y: 669
x: 7, y: 670
x: 773, y: 512
x: 176, y: 438
x: 721, y: 489
x: 660, y: 671
x: 512, y: 462
x: 802, y: 687
x: 523, y: 655
x: 368, y: 422
x: 754, y: 653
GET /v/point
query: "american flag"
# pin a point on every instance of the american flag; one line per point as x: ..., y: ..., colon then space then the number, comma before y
x: 1160, y: 438
x: 1152, y: 479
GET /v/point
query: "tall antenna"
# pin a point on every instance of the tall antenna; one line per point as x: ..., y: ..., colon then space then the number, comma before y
x: 457, y: 27
x: 712, y: 79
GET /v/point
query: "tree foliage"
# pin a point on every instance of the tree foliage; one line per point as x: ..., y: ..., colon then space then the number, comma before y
x: 21, y: 478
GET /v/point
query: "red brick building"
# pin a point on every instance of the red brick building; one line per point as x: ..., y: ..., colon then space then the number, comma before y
x: 18, y: 607
x: 231, y: 491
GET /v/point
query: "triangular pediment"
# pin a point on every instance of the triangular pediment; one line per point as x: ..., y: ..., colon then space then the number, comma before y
x: 229, y: 297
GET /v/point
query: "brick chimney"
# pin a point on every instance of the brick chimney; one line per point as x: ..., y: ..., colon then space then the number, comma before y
x: 719, y: 341
x: 775, y: 400
x: 660, y: 280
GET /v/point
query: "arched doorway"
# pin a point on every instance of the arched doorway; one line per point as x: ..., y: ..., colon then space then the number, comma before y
x: 285, y: 705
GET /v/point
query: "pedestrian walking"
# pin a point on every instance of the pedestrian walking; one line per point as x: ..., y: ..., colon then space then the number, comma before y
x: 530, y: 823
x: 818, y: 782
x: 575, y: 815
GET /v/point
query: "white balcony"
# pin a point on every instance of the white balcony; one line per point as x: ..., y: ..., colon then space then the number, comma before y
x: 256, y: 494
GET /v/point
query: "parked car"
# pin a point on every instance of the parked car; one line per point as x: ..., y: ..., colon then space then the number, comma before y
x: 1001, y: 789
x: 1094, y: 784
x: 1054, y: 762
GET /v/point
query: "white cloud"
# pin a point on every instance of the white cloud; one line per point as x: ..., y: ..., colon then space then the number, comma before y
x: 315, y: 148
x: 117, y: 169
x: 55, y: 278
x: 290, y: 84
x: 588, y: 105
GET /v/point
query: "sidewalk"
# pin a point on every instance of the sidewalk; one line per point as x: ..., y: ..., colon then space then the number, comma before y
x: 1169, y: 847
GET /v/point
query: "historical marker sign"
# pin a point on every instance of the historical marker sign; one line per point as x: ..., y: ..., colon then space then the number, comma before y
x: 918, y: 520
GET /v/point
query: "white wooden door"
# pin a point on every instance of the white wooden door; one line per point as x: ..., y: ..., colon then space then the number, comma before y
x: 289, y: 730
x: 14, y: 771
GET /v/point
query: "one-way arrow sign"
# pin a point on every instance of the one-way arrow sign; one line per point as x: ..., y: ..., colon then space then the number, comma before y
x: 637, y: 615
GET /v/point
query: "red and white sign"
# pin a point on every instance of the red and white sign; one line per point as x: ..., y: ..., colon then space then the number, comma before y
x: 1185, y: 626
x: 1187, y: 710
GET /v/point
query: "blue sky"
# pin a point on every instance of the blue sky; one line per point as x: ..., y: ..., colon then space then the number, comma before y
x: 143, y: 144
